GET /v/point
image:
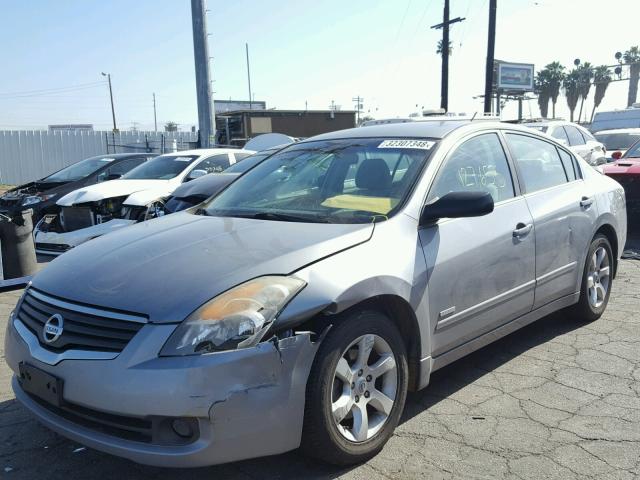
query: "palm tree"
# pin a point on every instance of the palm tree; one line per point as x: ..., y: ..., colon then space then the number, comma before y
x: 439, y: 50
x: 585, y: 74
x: 556, y: 76
x: 632, y: 57
x: 570, y: 86
x: 541, y: 84
x: 601, y: 80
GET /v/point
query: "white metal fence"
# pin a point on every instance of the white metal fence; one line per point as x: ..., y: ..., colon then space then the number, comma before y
x: 30, y: 155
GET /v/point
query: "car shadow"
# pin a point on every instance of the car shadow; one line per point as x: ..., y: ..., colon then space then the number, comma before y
x: 56, y: 455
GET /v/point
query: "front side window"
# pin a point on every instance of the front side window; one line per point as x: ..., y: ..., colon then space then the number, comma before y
x: 538, y: 162
x: 164, y: 167
x: 337, y: 181
x: 575, y: 138
x: 120, y: 168
x: 479, y: 164
x: 79, y: 170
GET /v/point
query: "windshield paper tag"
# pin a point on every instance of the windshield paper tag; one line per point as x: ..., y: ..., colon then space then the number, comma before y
x: 182, y: 159
x: 420, y: 144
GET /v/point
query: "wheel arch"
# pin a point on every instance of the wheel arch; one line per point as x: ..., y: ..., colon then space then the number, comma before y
x: 609, y: 232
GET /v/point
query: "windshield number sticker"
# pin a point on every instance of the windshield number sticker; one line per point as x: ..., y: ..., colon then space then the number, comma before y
x: 419, y: 144
x: 182, y: 159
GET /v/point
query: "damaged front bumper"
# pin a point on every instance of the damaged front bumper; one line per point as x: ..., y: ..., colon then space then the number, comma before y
x: 56, y: 243
x: 247, y: 403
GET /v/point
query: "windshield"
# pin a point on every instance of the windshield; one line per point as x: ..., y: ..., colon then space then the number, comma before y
x: 79, y: 170
x: 249, y: 162
x: 633, y: 152
x: 164, y: 167
x: 337, y: 181
x: 617, y: 141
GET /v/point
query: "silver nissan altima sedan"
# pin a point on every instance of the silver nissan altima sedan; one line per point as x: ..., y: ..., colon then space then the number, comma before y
x: 298, y: 307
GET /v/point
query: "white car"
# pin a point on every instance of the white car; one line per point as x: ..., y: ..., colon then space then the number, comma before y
x: 617, y: 141
x: 95, y: 210
x: 577, y: 138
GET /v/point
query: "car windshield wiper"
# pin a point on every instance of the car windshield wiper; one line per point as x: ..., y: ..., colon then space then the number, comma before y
x: 284, y: 217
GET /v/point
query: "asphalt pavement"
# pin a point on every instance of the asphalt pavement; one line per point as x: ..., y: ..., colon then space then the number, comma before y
x: 558, y: 400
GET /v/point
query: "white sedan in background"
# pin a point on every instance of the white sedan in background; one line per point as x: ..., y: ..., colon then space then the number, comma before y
x: 617, y: 141
x: 576, y: 138
x: 93, y: 211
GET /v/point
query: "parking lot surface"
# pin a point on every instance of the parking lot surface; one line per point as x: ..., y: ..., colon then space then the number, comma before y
x: 557, y: 399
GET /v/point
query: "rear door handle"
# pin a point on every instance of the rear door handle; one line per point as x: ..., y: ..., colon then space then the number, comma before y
x: 522, y: 229
x: 586, y: 202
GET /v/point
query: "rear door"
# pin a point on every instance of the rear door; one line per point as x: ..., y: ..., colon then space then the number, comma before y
x: 563, y: 213
x: 481, y: 270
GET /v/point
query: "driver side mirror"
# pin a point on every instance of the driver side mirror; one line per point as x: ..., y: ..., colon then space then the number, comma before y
x: 193, y: 174
x: 457, y: 205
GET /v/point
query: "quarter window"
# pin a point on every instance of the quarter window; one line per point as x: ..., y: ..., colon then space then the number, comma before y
x: 539, y: 164
x: 479, y: 164
x: 568, y: 164
x: 575, y: 138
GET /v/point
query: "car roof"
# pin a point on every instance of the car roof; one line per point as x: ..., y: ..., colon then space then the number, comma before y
x: 421, y: 129
x: 118, y: 156
x: 205, y: 151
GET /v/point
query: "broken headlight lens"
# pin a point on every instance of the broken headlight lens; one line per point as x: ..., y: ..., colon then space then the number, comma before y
x: 33, y: 199
x: 234, y: 319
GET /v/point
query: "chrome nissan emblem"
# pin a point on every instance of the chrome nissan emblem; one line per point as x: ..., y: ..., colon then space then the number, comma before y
x: 53, y: 328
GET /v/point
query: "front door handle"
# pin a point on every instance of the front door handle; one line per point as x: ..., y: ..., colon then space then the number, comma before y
x: 586, y: 202
x: 522, y: 229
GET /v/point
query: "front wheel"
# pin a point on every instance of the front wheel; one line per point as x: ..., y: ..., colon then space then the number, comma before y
x: 597, y: 281
x: 356, y: 390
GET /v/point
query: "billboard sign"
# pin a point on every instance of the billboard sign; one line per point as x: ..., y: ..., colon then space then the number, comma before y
x: 515, y: 76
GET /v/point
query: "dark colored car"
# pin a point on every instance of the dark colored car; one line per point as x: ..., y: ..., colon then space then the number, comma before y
x: 198, y: 190
x: 41, y: 195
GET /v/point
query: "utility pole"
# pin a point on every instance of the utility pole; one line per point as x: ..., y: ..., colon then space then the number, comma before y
x: 203, y: 75
x: 249, y: 77
x: 155, y: 119
x: 358, y: 101
x: 113, y: 111
x: 444, y: 83
x: 491, y: 46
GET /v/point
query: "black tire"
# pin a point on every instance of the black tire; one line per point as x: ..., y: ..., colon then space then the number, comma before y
x: 584, y: 310
x: 321, y: 438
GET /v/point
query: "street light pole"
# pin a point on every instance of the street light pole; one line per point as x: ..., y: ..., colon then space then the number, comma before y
x: 155, y: 119
x: 113, y: 111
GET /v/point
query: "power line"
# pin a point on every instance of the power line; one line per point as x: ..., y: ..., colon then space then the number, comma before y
x: 52, y: 91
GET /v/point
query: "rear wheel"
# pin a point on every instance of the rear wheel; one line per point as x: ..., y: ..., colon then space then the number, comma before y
x: 356, y: 390
x: 597, y: 281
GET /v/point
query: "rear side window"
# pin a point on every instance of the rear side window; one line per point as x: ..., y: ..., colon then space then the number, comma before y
x: 478, y: 164
x: 575, y: 138
x: 568, y: 164
x: 560, y: 134
x: 215, y: 164
x: 539, y: 164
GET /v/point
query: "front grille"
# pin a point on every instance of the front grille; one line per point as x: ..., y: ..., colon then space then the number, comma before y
x: 52, y: 247
x: 128, y: 428
x: 75, y: 218
x: 83, y: 327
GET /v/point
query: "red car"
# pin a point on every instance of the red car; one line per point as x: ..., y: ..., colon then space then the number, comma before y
x: 626, y: 171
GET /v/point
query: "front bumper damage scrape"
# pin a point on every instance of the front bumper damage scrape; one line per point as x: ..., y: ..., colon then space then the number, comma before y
x: 248, y: 402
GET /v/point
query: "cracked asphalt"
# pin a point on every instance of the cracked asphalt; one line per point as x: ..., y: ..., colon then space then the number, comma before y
x: 556, y: 400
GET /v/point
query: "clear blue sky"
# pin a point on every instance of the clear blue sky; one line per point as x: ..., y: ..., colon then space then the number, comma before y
x: 300, y: 50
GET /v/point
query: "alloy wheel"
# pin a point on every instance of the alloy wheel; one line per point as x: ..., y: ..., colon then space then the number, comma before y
x: 364, y: 388
x: 599, y: 277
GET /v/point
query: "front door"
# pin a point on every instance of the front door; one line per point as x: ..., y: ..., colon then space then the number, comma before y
x: 481, y: 270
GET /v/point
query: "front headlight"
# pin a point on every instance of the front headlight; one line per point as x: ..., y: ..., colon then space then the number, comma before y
x: 235, y: 319
x: 33, y: 199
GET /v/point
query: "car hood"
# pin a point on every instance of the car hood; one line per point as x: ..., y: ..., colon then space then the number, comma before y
x: 110, y: 189
x: 205, y: 186
x: 167, y: 267
x: 623, y: 166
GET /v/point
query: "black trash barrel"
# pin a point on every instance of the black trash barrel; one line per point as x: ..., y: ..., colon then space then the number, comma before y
x: 16, y: 245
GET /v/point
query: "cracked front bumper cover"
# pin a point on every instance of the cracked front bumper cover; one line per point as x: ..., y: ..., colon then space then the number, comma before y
x: 248, y: 403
